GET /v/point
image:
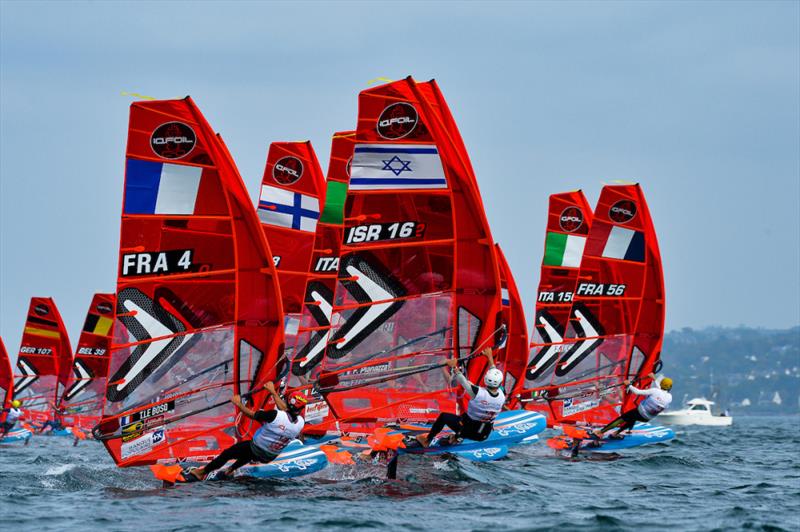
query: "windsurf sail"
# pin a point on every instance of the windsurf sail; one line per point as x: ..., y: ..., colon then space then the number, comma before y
x: 418, y: 277
x: 198, y: 310
x: 44, y: 361
x: 289, y: 204
x: 569, y: 220
x: 511, y: 355
x: 6, y: 377
x: 306, y: 342
x: 616, y: 319
x: 82, y: 399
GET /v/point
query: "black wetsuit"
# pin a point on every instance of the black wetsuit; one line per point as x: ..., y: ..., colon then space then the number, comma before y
x: 463, y: 426
x: 626, y: 421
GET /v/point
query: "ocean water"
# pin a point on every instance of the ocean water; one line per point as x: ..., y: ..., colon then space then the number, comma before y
x: 743, y: 477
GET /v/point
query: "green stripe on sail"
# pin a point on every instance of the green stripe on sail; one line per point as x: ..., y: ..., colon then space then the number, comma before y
x: 334, y: 203
x: 554, y: 246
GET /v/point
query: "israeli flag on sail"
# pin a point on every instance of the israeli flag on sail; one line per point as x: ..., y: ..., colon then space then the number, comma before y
x: 284, y: 208
x: 396, y: 166
x: 160, y: 188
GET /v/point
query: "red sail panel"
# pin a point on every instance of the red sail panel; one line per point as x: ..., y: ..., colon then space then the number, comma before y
x: 569, y: 221
x: 618, y: 312
x: 512, y: 353
x: 44, y: 361
x: 6, y: 377
x: 292, y: 192
x: 307, y: 341
x: 83, y: 398
x: 418, y: 277
x: 198, y: 312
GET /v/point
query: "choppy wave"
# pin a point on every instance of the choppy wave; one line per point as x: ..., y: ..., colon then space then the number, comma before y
x: 746, y: 476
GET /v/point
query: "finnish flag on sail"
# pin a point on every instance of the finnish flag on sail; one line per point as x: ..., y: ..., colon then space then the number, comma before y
x: 396, y: 166
x: 160, y: 188
x: 284, y: 208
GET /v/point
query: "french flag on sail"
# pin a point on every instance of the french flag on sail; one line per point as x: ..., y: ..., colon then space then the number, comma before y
x: 504, y: 299
x: 284, y: 208
x: 160, y: 188
x: 615, y: 242
x: 396, y: 167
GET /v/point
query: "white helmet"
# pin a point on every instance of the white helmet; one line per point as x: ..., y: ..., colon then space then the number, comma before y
x: 493, y: 378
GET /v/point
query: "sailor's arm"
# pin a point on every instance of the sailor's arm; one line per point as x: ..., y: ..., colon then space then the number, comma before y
x: 636, y: 391
x: 247, y: 412
x: 488, y: 354
x: 462, y: 380
x: 279, y: 402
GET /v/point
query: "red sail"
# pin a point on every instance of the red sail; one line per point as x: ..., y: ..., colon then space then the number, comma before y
x: 198, y: 315
x: 569, y: 221
x: 44, y: 361
x: 307, y: 342
x: 83, y: 398
x: 6, y: 377
x: 292, y: 192
x: 512, y: 352
x: 618, y: 312
x: 418, y: 278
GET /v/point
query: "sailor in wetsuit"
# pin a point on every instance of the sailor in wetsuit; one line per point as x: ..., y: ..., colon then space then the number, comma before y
x: 57, y: 423
x: 12, y: 415
x: 482, y: 409
x: 280, y: 427
x: 656, y: 401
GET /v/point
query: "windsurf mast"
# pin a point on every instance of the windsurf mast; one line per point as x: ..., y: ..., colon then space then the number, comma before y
x: 198, y: 312
x: 418, y: 276
x: 83, y: 397
x: 44, y: 361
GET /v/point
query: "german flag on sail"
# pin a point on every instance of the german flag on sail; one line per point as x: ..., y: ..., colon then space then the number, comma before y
x: 97, y: 325
x: 42, y: 332
x: 615, y: 242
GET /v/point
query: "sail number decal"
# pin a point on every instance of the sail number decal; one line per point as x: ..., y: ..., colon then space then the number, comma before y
x: 327, y: 264
x: 157, y: 262
x: 386, y: 231
x: 35, y: 350
x: 552, y: 297
x: 601, y: 289
x: 97, y: 351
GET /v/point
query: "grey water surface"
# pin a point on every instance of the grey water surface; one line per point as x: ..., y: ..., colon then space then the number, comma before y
x: 743, y: 477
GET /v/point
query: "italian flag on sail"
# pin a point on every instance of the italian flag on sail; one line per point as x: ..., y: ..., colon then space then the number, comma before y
x: 333, y: 213
x: 563, y: 250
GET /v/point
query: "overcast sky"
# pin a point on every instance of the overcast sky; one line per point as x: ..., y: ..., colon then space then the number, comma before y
x: 700, y: 102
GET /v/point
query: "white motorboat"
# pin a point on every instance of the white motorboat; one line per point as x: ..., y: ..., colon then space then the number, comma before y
x: 696, y: 412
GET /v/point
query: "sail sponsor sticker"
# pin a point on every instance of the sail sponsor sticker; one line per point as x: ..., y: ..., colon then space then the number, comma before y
x: 397, y: 120
x: 142, y: 445
x: 622, y: 211
x: 104, y: 307
x: 173, y: 140
x: 572, y: 407
x: 287, y: 170
x: 316, y: 412
x: 571, y: 219
x: 41, y: 310
x: 156, y: 410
